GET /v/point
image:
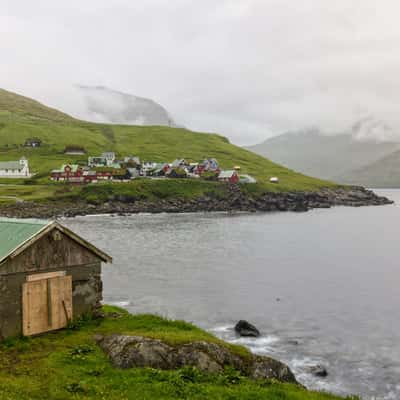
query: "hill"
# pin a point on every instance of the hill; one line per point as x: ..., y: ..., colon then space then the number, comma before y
x: 324, y: 156
x: 158, y: 143
x: 12, y: 103
x: 68, y: 364
x: 111, y: 106
x: 384, y: 173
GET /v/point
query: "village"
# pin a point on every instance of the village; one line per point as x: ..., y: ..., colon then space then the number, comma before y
x: 107, y: 167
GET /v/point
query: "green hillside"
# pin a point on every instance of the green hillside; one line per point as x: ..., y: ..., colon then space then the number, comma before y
x: 13, y: 103
x: 69, y: 365
x: 22, y: 118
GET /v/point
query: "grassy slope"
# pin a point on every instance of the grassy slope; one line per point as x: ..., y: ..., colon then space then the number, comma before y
x: 68, y: 364
x: 21, y: 118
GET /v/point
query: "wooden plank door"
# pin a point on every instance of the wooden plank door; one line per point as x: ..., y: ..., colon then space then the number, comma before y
x: 60, y: 301
x: 46, y: 304
x: 34, y: 308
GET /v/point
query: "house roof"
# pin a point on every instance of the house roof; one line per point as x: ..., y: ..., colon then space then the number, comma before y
x: 18, y: 234
x: 10, y: 165
x: 227, y: 174
x: 74, y: 167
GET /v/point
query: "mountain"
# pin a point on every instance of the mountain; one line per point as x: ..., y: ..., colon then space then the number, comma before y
x: 325, y: 156
x: 110, y: 106
x: 384, y: 173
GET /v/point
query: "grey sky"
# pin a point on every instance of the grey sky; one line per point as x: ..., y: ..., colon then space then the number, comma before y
x: 247, y: 68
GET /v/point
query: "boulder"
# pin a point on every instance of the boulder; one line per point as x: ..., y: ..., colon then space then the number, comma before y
x: 318, y: 370
x: 126, y: 351
x: 268, y: 368
x: 244, y: 328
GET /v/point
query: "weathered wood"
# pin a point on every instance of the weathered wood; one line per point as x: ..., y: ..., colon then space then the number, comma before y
x: 61, y: 296
x: 46, y: 275
x: 35, y: 316
x: 47, y: 305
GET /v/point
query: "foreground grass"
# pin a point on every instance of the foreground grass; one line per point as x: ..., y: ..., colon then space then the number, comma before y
x: 68, y: 365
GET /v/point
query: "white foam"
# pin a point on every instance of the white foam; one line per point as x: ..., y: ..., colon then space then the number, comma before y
x: 122, y: 303
x: 222, y: 329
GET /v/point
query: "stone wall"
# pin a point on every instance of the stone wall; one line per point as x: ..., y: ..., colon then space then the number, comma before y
x: 86, y: 287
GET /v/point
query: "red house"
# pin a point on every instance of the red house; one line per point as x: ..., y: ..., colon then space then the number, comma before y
x: 68, y: 173
x: 230, y: 176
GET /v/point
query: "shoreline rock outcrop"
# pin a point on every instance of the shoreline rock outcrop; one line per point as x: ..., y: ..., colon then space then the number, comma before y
x: 236, y: 201
x: 245, y: 329
x: 126, y: 351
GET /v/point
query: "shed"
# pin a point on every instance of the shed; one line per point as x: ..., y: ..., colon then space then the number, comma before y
x: 33, y: 142
x: 49, y: 276
x: 230, y: 176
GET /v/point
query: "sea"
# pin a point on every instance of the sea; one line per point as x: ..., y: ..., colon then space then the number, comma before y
x: 322, y: 286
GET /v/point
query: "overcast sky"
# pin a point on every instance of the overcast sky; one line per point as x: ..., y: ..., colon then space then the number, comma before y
x: 248, y: 69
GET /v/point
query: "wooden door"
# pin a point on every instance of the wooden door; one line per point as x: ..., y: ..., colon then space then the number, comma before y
x: 46, y: 304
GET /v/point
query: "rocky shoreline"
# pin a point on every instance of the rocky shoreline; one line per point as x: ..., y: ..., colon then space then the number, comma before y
x: 237, y: 201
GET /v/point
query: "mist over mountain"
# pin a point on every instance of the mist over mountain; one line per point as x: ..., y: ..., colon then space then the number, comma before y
x: 102, y: 104
x: 334, y: 157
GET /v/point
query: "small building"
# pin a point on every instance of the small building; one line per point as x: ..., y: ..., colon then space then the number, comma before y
x: 49, y: 276
x: 132, y: 160
x: 97, y: 161
x: 230, y: 176
x: 33, y: 142
x: 74, y: 150
x: 15, y: 169
x: 109, y: 156
x: 176, y: 173
x: 179, y: 163
x: 209, y: 164
x: 68, y: 173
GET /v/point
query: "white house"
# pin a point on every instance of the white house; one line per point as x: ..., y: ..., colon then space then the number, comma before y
x: 15, y: 169
x: 109, y: 156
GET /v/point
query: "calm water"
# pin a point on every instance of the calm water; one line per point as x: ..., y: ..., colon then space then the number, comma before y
x: 322, y: 286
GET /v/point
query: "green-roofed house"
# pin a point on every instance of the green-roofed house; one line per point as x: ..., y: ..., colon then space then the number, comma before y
x: 48, y: 276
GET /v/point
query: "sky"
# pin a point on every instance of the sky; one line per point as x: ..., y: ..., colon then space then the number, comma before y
x: 248, y: 69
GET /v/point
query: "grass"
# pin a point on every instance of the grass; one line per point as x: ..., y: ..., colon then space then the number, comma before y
x: 22, y: 118
x: 68, y: 365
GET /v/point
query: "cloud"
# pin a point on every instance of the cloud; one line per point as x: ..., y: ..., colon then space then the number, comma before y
x: 245, y: 68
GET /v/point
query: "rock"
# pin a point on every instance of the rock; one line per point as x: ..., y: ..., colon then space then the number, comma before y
x: 244, y: 328
x: 318, y: 370
x: 137, y: 352
x: 235, y: 201
x: 268, y: 368
x: 126, y: 351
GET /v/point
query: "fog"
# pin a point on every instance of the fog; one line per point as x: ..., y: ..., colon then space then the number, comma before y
x: 248, y: 69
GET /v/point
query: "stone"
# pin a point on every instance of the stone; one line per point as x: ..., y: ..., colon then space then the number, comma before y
x: 125, y: 351
x: 244, y: 328
x: 318, y: 370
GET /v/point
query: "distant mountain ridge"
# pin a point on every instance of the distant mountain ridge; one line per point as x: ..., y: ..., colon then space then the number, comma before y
x: 336, y: 157
x: 384, y: 173
x: 111, y: 106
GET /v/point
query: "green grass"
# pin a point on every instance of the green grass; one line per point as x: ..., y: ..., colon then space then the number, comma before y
x: 68, y: 365
x: 22, y: 118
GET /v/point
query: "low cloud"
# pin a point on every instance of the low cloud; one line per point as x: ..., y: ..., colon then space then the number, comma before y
x: 246, y: 69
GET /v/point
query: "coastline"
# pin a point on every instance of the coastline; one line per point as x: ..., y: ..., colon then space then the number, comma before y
x: 237, y: 201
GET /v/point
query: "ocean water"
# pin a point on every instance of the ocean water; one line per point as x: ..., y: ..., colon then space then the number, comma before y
x: 323, y: 287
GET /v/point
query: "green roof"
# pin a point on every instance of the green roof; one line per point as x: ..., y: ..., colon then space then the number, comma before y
x: 15, y: 232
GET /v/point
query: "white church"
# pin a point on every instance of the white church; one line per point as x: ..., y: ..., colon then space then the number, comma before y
x: 15, y: 169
